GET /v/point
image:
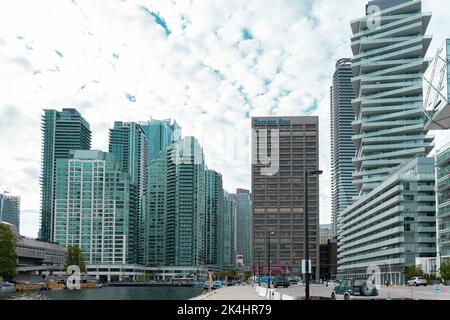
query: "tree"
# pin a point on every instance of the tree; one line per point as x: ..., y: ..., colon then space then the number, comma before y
x: 74, y: 257
x: 414, y: 271
x: 246, y: 276
x: 445, y: 271
x: 8, y: 256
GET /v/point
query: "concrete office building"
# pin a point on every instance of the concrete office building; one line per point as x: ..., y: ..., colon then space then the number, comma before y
x: 342, y: 148
x: 96, y: 208
x: 10, y: 209
x: 244, y: 226
x: 278, y: 205
x: 62, y: 131
x: 215, y: 216
x: 129, y: 143
x: 392, y: 221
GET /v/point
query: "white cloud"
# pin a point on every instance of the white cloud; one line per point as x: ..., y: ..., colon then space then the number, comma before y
x: 220, y: 61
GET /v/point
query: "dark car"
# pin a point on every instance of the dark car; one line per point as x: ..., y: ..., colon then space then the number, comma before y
x: 354, y: 289
x: 281, y: 282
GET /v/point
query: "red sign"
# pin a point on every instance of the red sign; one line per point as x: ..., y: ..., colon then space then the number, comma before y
x: 274, y: 270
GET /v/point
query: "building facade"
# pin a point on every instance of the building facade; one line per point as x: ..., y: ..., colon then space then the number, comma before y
x: 388, y: 64
x: 443, y: 203
x: 392, y: 221
x: 62, y: 131
x: 96, y: 208
x: 215, y: 216
x: 129, y: 143
x: 283, y: 148
x: 326, y: 233
x: 342, y: 148
x: 10, y: 209
x: 160, y: 134
x: 229, y: 231
x: 328, y: 260
x: 391, y: 226
x: 185, y: 208
x: 244, y: 226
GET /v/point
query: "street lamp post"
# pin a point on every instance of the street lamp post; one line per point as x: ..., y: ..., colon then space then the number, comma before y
x: 268, y: 257
x: 306, y: 272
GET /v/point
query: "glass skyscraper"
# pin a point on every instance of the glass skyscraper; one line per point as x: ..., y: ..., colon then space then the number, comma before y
x: 443, y: 196
x: 244, y: 225
x: 215, y: 215
x: 128, y: 142
x: 392, y: 221
x: 96, y: 207
x: 62, y: 131
x: 229, y: 232
x: 160, y: 134
x: 10, y: 209
x: 342, y: 147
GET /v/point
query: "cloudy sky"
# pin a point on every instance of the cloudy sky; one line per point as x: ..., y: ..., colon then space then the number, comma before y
x: 210, y: 64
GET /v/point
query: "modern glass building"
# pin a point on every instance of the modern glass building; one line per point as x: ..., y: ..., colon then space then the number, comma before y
x: 283, y: 148
x: 244, y: 225
x: 62, y: 131
x: 443, y: 205
x: 229, y: 232
x: 128, y: 142
x: 186, y: 204
x: 391, y: 226
x: 392, y: 221
x: 342, y: 148
x: 160, y: 134
x: 96, y: 208
x: 215, y: 219
x: 388, y: 64
x: 10, y: 209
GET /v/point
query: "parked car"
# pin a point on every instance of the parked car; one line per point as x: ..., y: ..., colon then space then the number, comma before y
x: 353, y: 289
x: 281, y: 282
x: 417, y: 281
x: 293, y: 281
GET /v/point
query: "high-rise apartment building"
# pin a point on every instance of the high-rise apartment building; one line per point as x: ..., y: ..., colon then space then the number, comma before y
x: 128, y: 142
x: 342, y: 148
x: 160, y: 134
x: 283, y: 148
x: 244, y: 226
x: 229, y: 232
x: 10, y: 209
x: 62, y: 131
x: 96, y: 208
x: 185, y: 208
x: 215, y: 211
x: 392, y: 221
x: 443, y: 204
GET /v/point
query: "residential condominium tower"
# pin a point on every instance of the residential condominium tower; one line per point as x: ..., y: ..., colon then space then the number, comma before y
x: 96, y: 208
x: 10, y: 209
x: 229, y: 232
x: 443, y: 205
x: 160, y: 134
x: 392, y: 221
x: 128, y: 142
x: 342, y: 148
x: 244, y: 225
x: 283, y: 148
x: 62, y: 131
x: 215, y: 215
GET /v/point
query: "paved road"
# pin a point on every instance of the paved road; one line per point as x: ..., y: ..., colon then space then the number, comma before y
x: 419, y: 293
x: 232, y: 293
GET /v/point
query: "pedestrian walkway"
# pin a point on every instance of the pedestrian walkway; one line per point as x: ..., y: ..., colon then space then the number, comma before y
x: 232, y: 293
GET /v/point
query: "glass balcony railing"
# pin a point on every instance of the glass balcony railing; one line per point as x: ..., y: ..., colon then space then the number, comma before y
x: 443, y: 158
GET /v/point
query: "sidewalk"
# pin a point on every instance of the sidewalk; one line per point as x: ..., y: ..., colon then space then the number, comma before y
x: 231, y: 293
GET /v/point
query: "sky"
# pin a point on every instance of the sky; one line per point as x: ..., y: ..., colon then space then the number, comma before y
x: 209, y: 64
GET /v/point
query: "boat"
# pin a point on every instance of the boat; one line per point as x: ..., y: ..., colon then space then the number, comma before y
x: 56, y: 286
x: 7, y: 287
x: 30, y: 286
x: 90, y: 284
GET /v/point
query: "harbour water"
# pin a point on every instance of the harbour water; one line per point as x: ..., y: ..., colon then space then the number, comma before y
x: 109, y: 293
